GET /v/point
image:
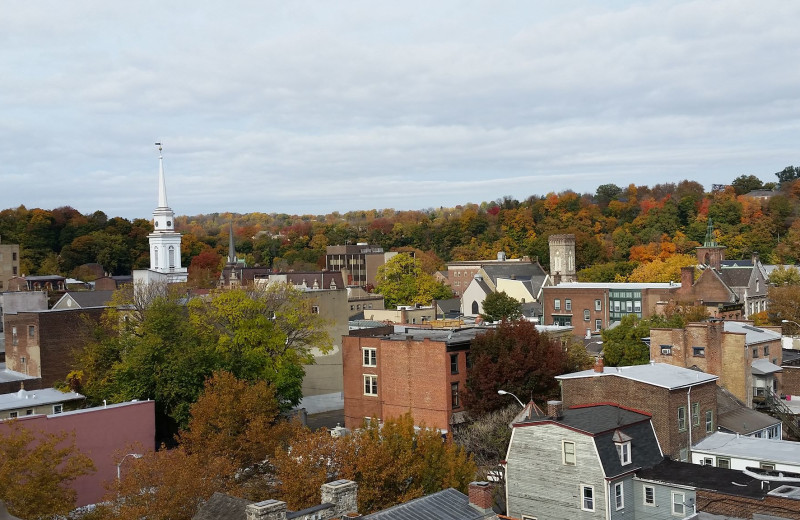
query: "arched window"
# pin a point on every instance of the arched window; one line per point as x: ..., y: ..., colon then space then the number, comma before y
x: 474, y: 307
x: 155, y: 257
x: 171, y: 257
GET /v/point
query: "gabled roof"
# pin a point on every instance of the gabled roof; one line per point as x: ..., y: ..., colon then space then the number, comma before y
x: 85, y: 299
x: 763, y: 367
x: 741, y: 446
x: 448, y: 504
x: 222, y: 507
x: 519, y: 270
x: 657, y: 374
x: 752, y: 333
x: 736, y: 276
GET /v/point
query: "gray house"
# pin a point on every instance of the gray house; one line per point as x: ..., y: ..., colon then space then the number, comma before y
x: 578, y: 463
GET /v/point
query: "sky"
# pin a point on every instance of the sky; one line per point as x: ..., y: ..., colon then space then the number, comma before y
x: 308, y: 107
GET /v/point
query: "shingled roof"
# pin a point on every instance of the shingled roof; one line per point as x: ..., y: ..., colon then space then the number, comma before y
x: 448, y: 504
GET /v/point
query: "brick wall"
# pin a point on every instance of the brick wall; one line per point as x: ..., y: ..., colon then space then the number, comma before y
x: 660, y: 402
x: 743, y: 507
x: 791, y: 380
x: 581, y: 299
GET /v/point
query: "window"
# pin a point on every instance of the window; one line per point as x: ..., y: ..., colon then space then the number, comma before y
x: 766, y: 350
x: 617, y: 306
x: 315, y: 309
x: 171, y: 257
x: 681, y: 418
x: 568, y: 453
x: 695, y: 414
x: 475, y: 307
x: 619, y: 499
x: 708, y: 461
x: 370, y: 384
x: 557, y: 304
x: 649, y: 496
x: 677, y: 504
x: 13, y: 256
x: 31, y: 331
x: 766, y: 465
x: 454, y: 363
x: 57, y: 408
x: 13, y: 335
x: 709, y: 421
x: 468, y: 360
x: 14, y: 270
x: 666, y: 350
x: 29, y: 411
x: 370, y: 357
x: 723, y: 463
x: 637, y: 306
x: 155, y: 256
x: 629, y: 306
x: 454, y: 394
x: 624, y: 452
x: 598, y: 306
x: 587, y: 498
x: 598, y: 324
x: 13, y: 415
x: 567, y: 304
x: 699, y: 351
x: 526, y: 517
x: 585, y: 314
x: 755, y: 352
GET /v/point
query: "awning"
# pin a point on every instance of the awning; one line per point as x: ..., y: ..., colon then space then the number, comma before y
x: 762, y: 367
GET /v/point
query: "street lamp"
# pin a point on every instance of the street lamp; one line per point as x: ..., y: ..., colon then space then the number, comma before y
x: 134, y: 455
x: 503, y: 392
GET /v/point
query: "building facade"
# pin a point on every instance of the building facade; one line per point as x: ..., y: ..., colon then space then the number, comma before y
x: 9, y: 264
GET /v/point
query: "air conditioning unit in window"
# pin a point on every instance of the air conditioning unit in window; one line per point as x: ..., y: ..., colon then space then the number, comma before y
x: 666, y: 351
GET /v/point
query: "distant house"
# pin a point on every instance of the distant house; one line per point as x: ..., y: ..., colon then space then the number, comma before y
x: 578, y: 462
x: 733, y: 416
x: 51, y: 283
x: 83, y: 299
x: 522, y: 280
x: 44, y: 401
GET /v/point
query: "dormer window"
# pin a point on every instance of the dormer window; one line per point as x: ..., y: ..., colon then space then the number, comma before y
x: 623, y: 444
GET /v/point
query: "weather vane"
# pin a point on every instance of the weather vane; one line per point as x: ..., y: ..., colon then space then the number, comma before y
x: 159, y: 149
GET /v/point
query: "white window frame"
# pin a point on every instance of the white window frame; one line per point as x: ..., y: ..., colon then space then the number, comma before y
x: 598, y: 305
x: 598, y: 324
x: 586, y: 315
x: 564, y: 454
x: 315, y: 309
x: 682, y: 504
x: 724, y: 462
x: 583, y: 497
x: 373, y: 385
x: 13, y: 415
x: 369, y: 357
x: 557, y: 304
x: 619, y: 496
x: 58, y: 408
x: 652, y: 489
x: 528, y: 517
x: 568, y: 304
x: 624, y: 452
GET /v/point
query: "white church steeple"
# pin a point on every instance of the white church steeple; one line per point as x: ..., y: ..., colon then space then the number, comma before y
x: 165, y: 243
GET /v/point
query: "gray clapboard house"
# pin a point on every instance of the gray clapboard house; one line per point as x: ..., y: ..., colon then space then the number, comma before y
x: 578, y: 463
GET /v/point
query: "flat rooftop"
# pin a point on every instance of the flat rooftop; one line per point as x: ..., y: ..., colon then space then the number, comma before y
x: 657, y: 374
x: 30, y: 398
x: 739, y: 446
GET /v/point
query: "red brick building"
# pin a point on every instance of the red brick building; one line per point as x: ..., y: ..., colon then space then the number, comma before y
x: 682, y: 402
x: 419, y: 370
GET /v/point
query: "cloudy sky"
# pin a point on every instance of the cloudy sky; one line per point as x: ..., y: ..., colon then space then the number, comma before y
x: 310, y: 107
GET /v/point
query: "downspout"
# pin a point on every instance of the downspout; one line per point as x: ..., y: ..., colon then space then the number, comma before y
x: 690, y: 421
x: 609, y: 495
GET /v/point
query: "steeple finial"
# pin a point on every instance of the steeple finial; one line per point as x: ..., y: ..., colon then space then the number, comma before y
x: 162, y: 185
x: 231, y: 248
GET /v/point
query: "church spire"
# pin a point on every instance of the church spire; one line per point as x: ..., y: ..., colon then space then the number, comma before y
x: 710, y: 241
x: 232, y: 260
x: 162, y: 184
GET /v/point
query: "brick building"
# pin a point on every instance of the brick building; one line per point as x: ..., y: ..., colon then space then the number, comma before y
x: 358, y: 263
x: 460, y: 274
x: 41, y: 343
x: 9, y: 264
x: 682, y: 402
x: 418, y: 370
x: 747, y: 359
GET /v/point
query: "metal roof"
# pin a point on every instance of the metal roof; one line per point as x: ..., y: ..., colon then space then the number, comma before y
x: 29, y: 398
x: 614, y: 285
x: 762, y: 367
x: 657, y: 374
x: 448, y: 504
x: 752, y: 334
x: 741, y: 446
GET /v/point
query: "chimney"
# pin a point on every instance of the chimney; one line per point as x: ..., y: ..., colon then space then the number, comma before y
x: 480, y: 496
x: 599, y: 366
x: 266, y: 510
x: 343, y: 494
x: 555, y: 409
x: 687, y: 277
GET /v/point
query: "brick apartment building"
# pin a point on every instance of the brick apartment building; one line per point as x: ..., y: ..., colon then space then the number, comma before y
x: 418, y: 370
x: 41, y: 343
x: 747, y: 359
x: 682, y: 402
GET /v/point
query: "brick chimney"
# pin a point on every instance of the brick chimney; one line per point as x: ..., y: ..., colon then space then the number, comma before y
x: 599, y: 366
x: 555, y: 409
x: 480, y: 496
x: 266, y: 510
x: 343, y: 494
x: 687, y: 278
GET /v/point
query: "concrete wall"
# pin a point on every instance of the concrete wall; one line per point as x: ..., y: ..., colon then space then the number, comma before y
x: 102, y: 434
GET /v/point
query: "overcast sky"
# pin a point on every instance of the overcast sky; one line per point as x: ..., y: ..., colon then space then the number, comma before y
x: 311, y: 107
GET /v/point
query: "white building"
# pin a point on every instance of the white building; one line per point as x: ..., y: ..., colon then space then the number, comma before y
x: 728, y: 450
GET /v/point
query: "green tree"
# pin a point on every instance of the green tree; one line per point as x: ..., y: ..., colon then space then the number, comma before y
x: 789, y: 173
x: 37, y: 471
x: 624, y: 345
x: 784, y: 276
x: 402, y: 281
x: 500, y: 306
x: 746, y: 183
